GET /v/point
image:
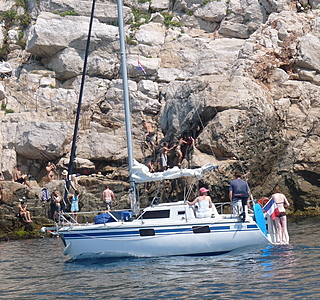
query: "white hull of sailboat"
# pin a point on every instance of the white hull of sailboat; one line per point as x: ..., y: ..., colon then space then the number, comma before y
x: 182, y: 238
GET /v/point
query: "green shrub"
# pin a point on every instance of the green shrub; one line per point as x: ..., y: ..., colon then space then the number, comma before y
x: 138, y: 15
x: 68, y: 13
x: 4, y: 108
x: 22, y: 43
x: 9, y: 16
x: 205, y: 2
x: 21, y: 233
x: 168, y: 20
x: 4, y: 50
x: 21, y: 3
x: 131, y: 41
x: 24, y: 20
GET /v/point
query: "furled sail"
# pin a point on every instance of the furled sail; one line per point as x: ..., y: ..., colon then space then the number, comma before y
x: 140, y: 173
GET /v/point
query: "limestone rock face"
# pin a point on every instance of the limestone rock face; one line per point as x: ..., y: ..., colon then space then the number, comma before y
x: 45, y: 38
x: 212, y: 11
x: 248, y: 72
x: 308, y: 52
x: 35, y: 139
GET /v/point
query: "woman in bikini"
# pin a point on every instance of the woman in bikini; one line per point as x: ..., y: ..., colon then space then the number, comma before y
x: 50, y: 170
x: 281, y: 220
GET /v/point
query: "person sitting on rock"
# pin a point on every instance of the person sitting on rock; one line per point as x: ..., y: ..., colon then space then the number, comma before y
x: 23, y: 212
x: 20, y: 178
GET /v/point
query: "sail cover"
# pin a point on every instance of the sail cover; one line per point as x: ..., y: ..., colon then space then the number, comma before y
x: 140, y: 173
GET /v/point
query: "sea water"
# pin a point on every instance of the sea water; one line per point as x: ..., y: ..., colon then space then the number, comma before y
x: 37, y: 269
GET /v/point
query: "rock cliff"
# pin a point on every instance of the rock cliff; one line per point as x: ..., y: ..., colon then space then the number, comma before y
x: 247, y: 71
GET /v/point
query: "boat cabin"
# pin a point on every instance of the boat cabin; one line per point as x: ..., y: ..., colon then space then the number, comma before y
x: 175, y: 211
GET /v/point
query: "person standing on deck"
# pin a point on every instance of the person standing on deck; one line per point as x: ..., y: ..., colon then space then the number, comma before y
x: 108, y: 198
x: 239, y: 194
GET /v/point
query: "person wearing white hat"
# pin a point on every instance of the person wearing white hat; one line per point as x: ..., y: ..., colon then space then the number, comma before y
x: 73, y: 179
x: 205, y: 204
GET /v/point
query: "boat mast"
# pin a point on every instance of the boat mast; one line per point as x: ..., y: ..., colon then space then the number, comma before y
x: 76, y: 124
x: 133, y: 196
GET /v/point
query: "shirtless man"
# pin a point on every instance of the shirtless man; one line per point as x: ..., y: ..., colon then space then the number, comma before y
x: 164, y: 155
x: 108, y: 197
x: 179, y: 150
x: 20, y: 178
x: 151, y: 165
x: 149, y: 134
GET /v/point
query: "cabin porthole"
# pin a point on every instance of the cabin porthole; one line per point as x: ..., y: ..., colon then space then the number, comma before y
x: 147, y: 232
x: 201, y: 229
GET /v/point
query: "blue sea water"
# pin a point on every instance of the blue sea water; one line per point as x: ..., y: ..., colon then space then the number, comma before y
x: 37, y: 269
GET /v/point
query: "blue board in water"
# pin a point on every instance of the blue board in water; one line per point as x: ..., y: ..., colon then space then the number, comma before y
x: 259, y: 217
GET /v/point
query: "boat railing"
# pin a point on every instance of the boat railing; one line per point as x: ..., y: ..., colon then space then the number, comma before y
x: 86, y: 218
x: 222, y: 207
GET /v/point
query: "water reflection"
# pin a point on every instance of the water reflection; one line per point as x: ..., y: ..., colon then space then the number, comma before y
x: 278, y: 261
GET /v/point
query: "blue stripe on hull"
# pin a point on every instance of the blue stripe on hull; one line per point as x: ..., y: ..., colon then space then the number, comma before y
x: 161, y: 232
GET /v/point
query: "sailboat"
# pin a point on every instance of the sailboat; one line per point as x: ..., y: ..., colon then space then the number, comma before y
x: 162, y: 229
